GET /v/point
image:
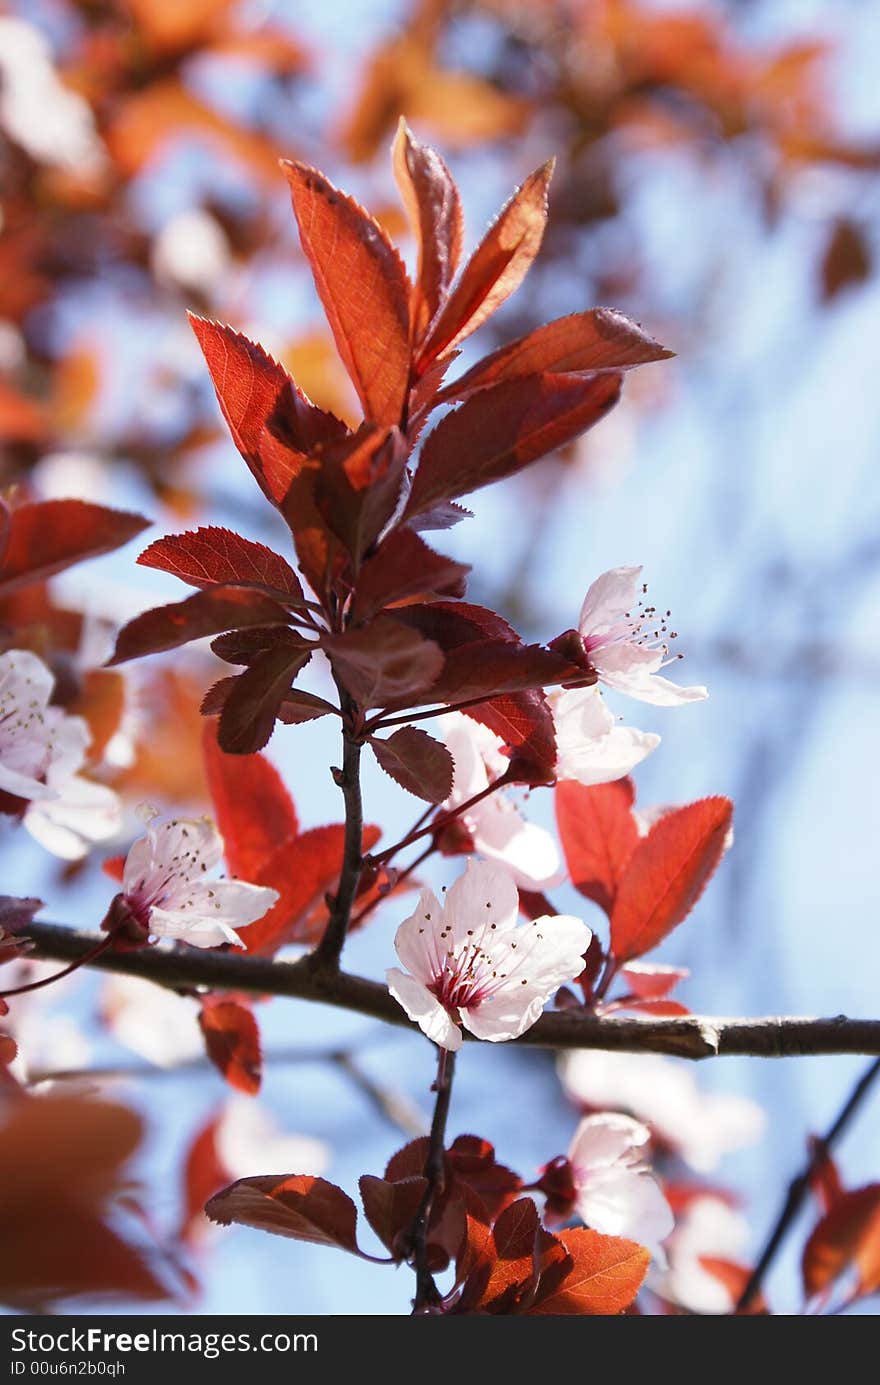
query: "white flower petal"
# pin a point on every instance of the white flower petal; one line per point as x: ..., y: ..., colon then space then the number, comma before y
x: 424, y: 1008
x: 622, y: 1201
x: 602, y: 1140
x: 609, y: 598
x: 416, y: 939
x: 484, y: 896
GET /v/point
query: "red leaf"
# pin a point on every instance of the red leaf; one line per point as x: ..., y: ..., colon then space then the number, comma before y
x: 358, y: 486
x: 383, y: 662
x: 450, y: 624
x: 114, y: 867
x: 598, y: 835
x: 204, y: 613
x: 301, y: 1207
x: 513, y: 1265
x: 472, y: 1161
x: 417, y: 762
x: 209, y: 556
x: 651, y: 980
x: 605, y: 1274
x: 524, y: 722
x: 232, y: 1039
x: 847, y: 1236
x: 666, y: 874
x: 660, y: 1007
x: 303, y: 870
x: 254, y: 812
x: 506, y: 427
x: 244, y: 646
x: 402, y: 568
x: 496, y: 268
x: 489, y: 668
x: 254, y: 391
x: 390, y: 1208
x: 598, y: 340
x: 45, y: 537
x: 434, y: 210
x: 251, y: 706
x: 297, y: 707
x: 363, y: 287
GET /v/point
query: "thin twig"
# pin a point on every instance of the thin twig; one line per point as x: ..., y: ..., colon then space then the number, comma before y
x: 690, y: 1036
x: 427, y: 1294
x: 799, y: 1187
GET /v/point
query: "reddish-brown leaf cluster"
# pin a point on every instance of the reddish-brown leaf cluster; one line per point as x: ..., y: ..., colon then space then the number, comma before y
x: 505, y: 1261
x: 357, y: 499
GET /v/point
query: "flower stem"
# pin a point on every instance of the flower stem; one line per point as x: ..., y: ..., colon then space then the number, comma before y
x: 799, y: 1187
x: 428, y: 1296
x: 437, y: 824
x: 75, y: 965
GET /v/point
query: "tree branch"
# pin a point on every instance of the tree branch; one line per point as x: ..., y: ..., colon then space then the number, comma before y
x: 799, y: 1187
x: 325, y: 958
x: 692, y: 1036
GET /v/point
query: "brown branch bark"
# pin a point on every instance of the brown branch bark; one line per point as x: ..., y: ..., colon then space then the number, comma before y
x: 693, y: 1036
x: 324, y: 961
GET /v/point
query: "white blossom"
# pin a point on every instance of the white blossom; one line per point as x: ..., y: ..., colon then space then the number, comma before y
x: 615, y: 1192
x: 496, y: 826
x: 42, y: 750
x: 700, y: 1126
x: 168, y: 892
x: 625, y: 640
x: 593, y: 747
x: 471, y: 962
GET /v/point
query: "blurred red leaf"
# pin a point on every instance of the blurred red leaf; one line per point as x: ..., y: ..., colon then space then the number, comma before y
x: 203, y: 1174
x: 56, y: 1237
x: 604, y: 1276
x: 417, y: 762
x: 734, y: 1278
x: 847, y: 259
x: 504, y: 428
x: 847, y: 1236
x: 434, y: 209
x: 301, y: 1207
x: 598, y: 835
x: 232, y: 1039
x: 496, y: 268
x: 825, y: 1180
x: 363, y: 287
x: 651, y: 981
x: 40, y: 539
x: 253, y: 809
x: 211, y: 556
x: 666, y: 874
x: 303, y: 870
x: 601, y: 339
x: 205, y: 613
